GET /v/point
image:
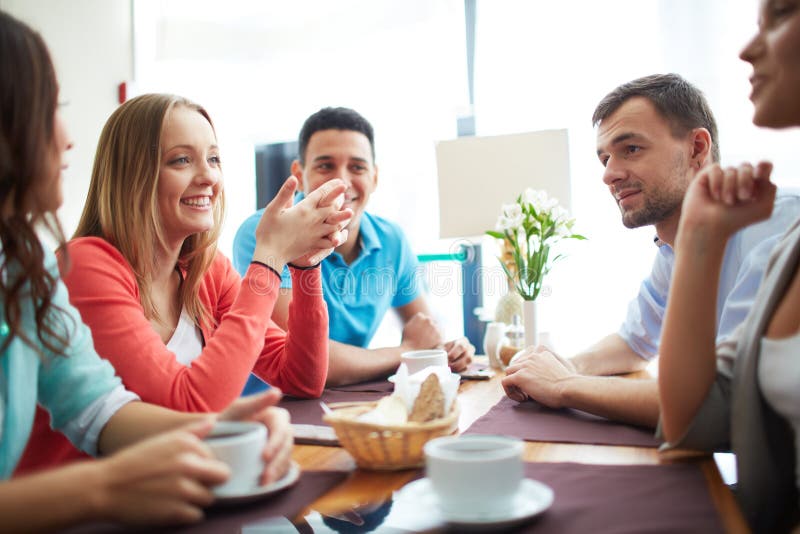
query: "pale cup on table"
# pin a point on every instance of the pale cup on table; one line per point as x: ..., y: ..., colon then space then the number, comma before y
x: 475, y: 476
x: 240, y: 445
x: 492, y: 341
x: 417, y: 360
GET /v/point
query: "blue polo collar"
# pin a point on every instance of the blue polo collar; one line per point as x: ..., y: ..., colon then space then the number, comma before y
x: 368, y: 235
x: 368, y: 241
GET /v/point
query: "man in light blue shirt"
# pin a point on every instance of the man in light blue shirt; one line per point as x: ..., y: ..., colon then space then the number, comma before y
x: 372, y: 272
x: 654, y: 134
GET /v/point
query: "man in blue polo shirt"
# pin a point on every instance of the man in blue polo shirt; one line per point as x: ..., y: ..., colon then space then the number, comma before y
x: 373, y: 271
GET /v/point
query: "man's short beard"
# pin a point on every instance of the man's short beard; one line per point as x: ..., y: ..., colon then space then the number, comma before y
x: 661, y: 203
x: 652, y: 213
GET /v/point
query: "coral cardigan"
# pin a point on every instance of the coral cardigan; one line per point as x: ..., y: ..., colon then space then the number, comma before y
x: 103, y: 288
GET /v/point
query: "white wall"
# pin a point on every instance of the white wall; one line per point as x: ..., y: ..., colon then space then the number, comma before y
x: 90, y: 42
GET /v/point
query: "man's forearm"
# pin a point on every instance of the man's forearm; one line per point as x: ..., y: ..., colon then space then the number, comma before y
x: 349, y: 364
x: 609, y: 356
x: 621, y: 399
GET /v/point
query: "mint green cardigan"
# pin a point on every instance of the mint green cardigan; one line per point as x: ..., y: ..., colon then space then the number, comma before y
x: 64, y: 385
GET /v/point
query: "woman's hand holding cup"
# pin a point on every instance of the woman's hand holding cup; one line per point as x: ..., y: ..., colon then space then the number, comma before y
x: 163, y: 479
x: 277, y: 451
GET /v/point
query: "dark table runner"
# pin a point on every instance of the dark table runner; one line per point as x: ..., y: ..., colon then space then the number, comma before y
x: 379, y: 386
x: 309, y: 412
x: 231, y: 518
x: 531, y: 421
x: 624, y: 498
x: 382, y: 385
x: 627, y: 499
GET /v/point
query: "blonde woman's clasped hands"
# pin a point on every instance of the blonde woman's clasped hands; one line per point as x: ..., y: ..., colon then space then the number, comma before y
x: 304, y: 233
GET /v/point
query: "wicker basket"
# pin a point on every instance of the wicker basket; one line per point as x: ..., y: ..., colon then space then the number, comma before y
x: 386, y: 447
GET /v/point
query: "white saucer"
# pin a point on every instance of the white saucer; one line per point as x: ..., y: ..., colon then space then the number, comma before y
x: 291, y: 476
x: 532, y: 499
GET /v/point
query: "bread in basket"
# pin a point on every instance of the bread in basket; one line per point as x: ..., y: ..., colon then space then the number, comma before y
x: 386, y: 447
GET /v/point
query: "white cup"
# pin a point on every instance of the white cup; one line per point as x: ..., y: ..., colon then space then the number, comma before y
x: 417, y: 360
x: 474, y: 476
x: 492, y: 341
x: 239, y: 444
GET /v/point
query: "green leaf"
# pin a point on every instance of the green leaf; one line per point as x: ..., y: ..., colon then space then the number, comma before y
x: 498, y: 235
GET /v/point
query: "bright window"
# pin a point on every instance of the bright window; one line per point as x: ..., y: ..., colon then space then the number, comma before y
x: 261, y: 67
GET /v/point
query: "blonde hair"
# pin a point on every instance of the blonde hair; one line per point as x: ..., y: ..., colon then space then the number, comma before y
x: 122, y: 203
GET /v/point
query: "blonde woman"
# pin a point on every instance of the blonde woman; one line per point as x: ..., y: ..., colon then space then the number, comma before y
x: 165, y: 308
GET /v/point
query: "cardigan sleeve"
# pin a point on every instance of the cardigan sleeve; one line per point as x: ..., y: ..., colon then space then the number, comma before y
x: 297, y: 360
x: 103, y: 287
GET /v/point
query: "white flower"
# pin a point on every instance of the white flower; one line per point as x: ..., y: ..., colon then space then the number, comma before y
x: 511, y: 217
x: 512, y: 211
x: 539, y: 200
x: 504, y: 224
x: 563, y: 230
x: 529, y: 196
x: 534, y: 214
x: 560, y: 214
x: 534, y: 243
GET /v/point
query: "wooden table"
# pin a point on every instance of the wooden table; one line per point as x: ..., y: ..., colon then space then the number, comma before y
x: 475, y: 399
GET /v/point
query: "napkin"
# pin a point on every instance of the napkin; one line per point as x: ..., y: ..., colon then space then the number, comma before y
x: 394, y: 409
x: 407, y: 386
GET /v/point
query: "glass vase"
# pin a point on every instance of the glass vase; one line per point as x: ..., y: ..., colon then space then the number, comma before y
x: 508, y: 306
x: 530, y: 318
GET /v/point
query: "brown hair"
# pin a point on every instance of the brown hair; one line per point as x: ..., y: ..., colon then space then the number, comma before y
x: 682, y: 104
x: 122, y: 202
x: 28, y: 100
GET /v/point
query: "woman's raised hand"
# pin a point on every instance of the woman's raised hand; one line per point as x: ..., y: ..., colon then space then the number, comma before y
x: 724, y: 200
x: 307, y: 231
x: 324, y: 247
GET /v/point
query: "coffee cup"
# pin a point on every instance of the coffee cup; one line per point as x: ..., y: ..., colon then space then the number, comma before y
x: 417, y: 360
x: 492, y: 340
x: 474, y: 476
x: 240, y: 445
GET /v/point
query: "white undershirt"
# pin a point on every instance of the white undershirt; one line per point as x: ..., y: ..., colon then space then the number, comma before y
x: 779, y: 379
x: 186, y: 341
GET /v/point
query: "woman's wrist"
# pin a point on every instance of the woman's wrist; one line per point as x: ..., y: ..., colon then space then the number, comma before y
x: 267, y: 267
x: 304, y: 267
x: 698, y: 239
x: 267, y: 257
x: 92, y: 498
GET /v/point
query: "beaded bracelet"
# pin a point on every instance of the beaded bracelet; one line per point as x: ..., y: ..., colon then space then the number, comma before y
x: 293, y: 266
x: 268, y: 267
